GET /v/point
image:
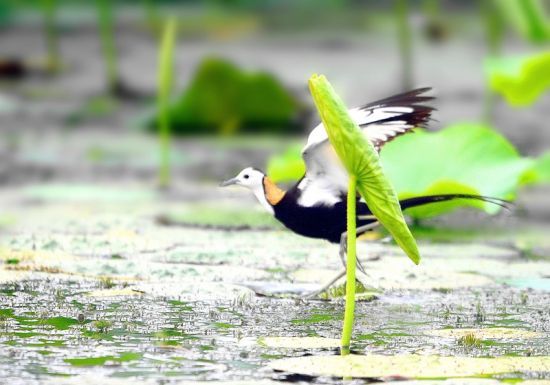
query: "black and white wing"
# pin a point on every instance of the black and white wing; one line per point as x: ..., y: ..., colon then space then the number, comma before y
x: 381, y: 121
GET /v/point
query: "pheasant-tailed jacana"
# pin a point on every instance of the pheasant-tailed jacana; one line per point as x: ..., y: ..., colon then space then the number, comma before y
x: 316, y: 205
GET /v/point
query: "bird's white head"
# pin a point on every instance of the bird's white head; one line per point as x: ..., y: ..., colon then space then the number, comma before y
x: 250, y: 178
x: 267, y: 192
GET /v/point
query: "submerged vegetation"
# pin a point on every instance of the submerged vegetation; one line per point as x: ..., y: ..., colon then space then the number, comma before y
x: 469, y: 341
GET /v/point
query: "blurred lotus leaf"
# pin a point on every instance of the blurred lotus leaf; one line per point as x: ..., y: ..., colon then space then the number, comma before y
x: 521, y: 80
x: 464, y: 158
x: 224, y: 99
x: 288, y: 166
x: 541, y: 171
x: 528, y: 17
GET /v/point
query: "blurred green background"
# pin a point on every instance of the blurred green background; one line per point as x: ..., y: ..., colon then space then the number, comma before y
x: 82, y: 96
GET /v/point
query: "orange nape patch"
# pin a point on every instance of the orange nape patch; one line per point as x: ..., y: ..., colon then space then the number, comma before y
x: 272, y: 192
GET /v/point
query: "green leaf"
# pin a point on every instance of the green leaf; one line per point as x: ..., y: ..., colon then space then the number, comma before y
x: 223, y: 98
x: 444, y: 186
x: 521, y: 80
x: 288, y: 166
x: 361, y: 160
x: 528, y: 17
x: 464, y: 158
x: 541, y: 171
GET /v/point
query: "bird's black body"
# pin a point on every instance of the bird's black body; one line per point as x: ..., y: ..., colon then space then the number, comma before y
x: 329, y: 222
x: 325, y: 222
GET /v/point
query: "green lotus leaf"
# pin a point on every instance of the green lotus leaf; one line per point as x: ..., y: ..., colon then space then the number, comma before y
x: 464, y: 158
x: 441, y: 187
x: 288, y: 166
x: 541, y: 170
x: 361, y: 160
x: 521, y: 80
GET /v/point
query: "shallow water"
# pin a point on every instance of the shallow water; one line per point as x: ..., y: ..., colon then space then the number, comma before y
x: 52, y: 328
x: 101, y: 290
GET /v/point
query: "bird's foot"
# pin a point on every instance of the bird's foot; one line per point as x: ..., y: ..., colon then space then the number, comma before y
x: 360, y: 276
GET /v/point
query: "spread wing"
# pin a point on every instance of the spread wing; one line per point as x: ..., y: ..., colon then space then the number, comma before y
x: 381, y: 121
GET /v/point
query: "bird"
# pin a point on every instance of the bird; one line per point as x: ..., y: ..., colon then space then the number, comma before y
x: 316, y: 205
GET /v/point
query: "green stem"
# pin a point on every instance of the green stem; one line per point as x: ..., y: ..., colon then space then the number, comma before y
x: 405, y: 42
x: 52, y: 46
x: 151, y: 14
x: 108, y: 46
x: 493, y: 32
x: 350, y: 267
x: 431, y: 9
x: 165, y: 144
x: 165, y: 80
x: 538, y: 27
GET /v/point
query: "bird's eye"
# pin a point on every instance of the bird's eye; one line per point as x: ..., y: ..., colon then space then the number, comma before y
x: 246, y: 176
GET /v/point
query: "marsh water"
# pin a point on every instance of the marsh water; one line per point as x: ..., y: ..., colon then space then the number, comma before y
x: 105, y: 290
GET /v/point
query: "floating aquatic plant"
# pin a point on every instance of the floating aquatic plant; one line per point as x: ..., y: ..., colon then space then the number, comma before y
x: 165, y: 80
x: 366, y: 176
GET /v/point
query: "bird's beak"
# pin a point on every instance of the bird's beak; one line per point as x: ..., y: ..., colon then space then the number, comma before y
x: 229, y: 182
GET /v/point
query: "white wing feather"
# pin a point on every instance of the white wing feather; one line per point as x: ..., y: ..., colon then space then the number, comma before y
x: 377, y: 133
x: 326, y: 179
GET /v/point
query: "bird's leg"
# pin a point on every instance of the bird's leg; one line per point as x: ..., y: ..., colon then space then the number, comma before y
x: 343, y: 250
x: 343, y: 244
x: 325, y: 287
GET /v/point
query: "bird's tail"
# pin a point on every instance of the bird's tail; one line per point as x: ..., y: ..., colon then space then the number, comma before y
x: 424, y: 200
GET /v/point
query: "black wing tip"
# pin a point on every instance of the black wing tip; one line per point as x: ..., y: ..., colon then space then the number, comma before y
x: 404, y: 99
x: 420, y: 116
x: 422, y: 200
